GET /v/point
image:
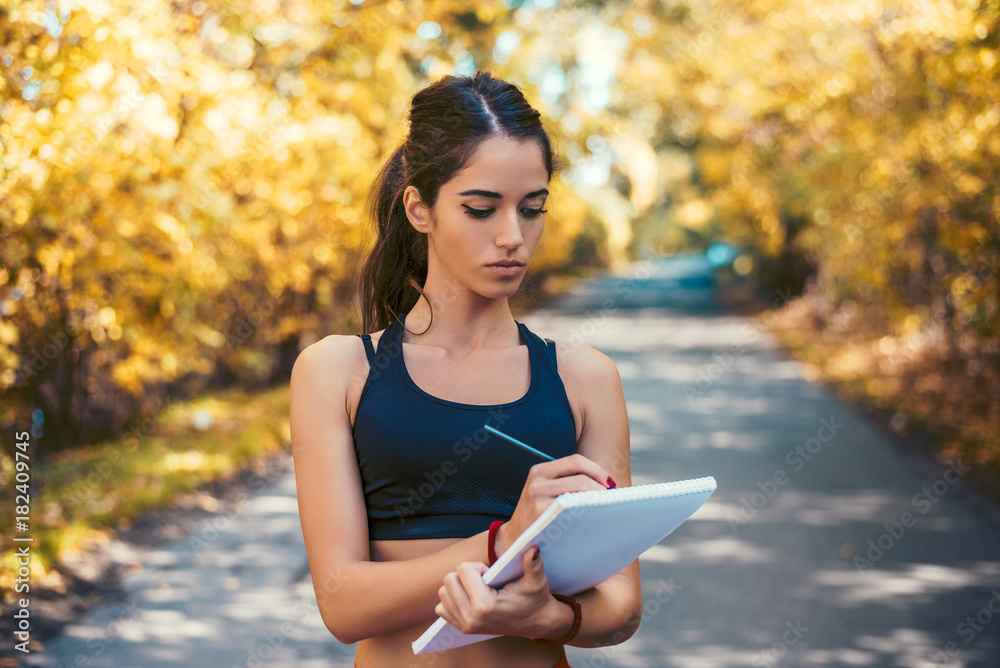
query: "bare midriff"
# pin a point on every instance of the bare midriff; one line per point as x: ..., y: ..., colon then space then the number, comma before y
x: 395, y: 649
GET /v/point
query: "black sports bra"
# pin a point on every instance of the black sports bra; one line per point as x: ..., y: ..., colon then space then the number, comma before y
x: 428, y: 468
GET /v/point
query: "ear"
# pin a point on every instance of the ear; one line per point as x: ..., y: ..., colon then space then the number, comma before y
x: 417, y: 212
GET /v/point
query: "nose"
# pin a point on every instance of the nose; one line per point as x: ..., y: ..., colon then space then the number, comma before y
x: 509, y: 235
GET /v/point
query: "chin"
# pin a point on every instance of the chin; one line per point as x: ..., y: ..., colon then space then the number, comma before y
x: 501, y: 291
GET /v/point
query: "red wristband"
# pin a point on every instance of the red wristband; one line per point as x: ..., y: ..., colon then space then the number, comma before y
x: 491, y: 541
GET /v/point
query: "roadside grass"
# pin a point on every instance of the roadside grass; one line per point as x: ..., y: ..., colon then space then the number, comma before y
x: 81, y: 497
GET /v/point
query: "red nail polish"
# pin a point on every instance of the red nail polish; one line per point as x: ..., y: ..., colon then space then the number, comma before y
x: 537, y: 550
x: 611, y: 483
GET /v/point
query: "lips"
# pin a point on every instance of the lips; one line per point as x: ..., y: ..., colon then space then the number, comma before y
x: 506, y: 268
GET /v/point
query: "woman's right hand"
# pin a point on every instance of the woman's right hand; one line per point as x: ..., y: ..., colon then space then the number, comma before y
x: 546, y: 481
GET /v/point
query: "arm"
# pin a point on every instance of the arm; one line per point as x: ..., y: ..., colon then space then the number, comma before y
x: 612, y: 610
x: 357, y: 598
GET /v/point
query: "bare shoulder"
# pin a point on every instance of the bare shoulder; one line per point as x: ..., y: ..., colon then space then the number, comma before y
x: 585, y: 366
x: 335, y: 362
x: 596, y: 395
x: 335, y: 367
x: 330, y: 357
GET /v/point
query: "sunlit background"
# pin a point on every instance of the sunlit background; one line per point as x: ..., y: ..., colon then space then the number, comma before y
x: 181, y: 192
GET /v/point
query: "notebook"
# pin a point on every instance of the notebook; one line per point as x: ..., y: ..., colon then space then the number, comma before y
x: 584, y: 538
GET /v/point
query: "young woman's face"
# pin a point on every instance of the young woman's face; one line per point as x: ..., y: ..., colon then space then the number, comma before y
x: 490, y: 211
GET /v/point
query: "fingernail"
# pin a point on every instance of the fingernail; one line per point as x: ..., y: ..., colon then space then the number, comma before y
x: 611, y: 483
x: 537, y: 550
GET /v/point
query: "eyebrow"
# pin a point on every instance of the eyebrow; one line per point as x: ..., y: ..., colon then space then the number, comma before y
x: 489, y: 193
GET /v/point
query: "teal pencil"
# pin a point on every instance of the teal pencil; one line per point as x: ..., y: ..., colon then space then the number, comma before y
x: 513, y: 441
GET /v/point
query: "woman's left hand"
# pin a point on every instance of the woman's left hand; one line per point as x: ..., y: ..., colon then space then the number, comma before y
x: 518, y: 608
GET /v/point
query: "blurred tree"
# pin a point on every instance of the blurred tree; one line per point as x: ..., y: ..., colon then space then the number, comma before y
x: 182, y: 188
x: 182, y: 183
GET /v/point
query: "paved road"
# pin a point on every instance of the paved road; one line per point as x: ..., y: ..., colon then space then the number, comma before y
x: 823, y: 545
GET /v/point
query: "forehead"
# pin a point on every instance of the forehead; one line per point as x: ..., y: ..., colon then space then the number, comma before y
x: 509, y: 167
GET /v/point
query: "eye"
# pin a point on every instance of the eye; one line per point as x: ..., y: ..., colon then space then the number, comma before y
x: 477, y: 213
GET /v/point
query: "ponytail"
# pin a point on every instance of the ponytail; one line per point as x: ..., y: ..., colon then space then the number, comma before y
x: 398, y: 262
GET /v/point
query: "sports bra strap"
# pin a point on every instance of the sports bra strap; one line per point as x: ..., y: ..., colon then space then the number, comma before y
x: 550, y: 350
x: 369, y: 350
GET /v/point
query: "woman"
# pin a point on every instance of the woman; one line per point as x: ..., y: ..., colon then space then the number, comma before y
x: 403, y: 498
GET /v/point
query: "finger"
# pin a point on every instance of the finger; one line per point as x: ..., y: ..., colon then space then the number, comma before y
x: 572, y: 465
x: 472, y: 581
x: 446, y: 598
x: 446, y: 615
x: 460, y: 602
x: 531, y: 561
x: 572, y: 483
x: 534, y: 578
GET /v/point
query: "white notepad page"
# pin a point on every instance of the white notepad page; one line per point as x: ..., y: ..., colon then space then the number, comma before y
x: 584, y: 539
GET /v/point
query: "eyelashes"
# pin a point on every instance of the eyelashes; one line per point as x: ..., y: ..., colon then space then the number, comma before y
x: 483, y: 213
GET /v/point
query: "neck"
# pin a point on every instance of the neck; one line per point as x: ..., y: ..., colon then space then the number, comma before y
x: 463, y: 320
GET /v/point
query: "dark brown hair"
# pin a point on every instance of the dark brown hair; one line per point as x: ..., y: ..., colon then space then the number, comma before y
x: 449, y: 119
